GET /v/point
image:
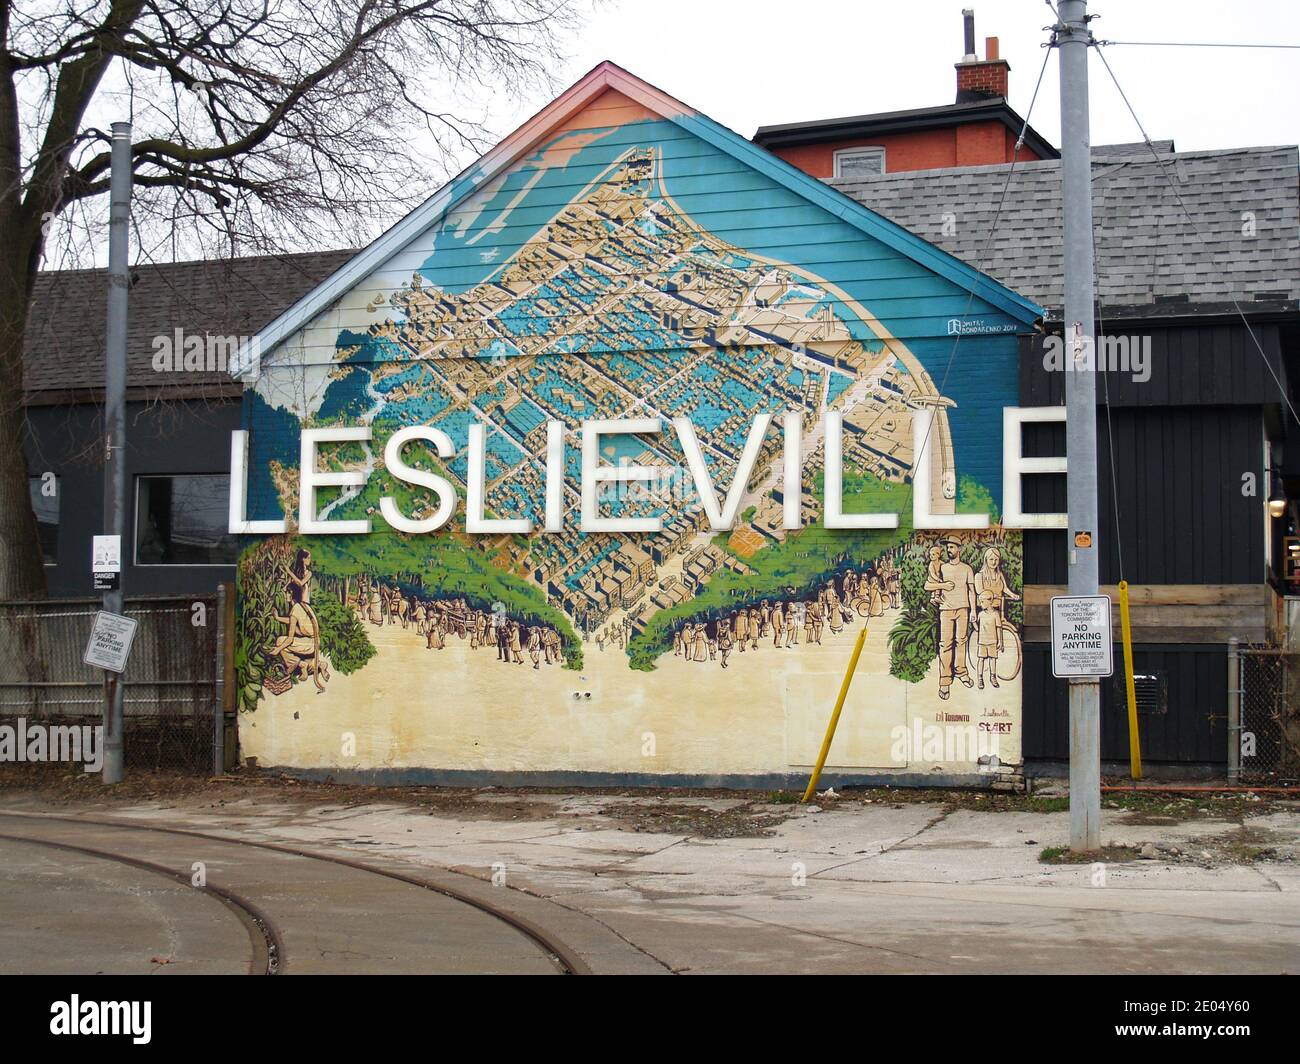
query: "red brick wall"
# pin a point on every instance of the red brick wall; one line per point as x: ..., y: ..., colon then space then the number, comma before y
x: 976, y: 144
x: 986, y: 76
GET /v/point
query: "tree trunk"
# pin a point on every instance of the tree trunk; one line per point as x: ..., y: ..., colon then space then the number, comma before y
x: 22, y: 567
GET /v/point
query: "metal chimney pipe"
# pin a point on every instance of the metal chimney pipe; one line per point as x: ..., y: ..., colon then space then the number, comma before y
x: 968, y: 19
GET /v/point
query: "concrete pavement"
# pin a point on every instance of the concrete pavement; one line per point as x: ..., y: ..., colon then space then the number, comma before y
x: 730, y: 884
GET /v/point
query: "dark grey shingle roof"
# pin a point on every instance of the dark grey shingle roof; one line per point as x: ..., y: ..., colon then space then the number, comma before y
x: 1133, y: 147
x: 1146, y: 248
x: 222, y: 297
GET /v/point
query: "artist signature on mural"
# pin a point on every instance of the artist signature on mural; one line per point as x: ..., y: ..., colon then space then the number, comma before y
x: 979, y: 327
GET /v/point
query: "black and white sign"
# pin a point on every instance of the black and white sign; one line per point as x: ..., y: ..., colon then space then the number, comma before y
x: 106, y: 562
x: 110, y: 642
x: 1081, y: 642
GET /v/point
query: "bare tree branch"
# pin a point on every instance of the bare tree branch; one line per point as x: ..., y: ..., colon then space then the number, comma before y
x: 257, y: 126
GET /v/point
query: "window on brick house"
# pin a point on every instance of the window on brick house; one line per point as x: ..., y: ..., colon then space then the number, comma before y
x: 859, y: 162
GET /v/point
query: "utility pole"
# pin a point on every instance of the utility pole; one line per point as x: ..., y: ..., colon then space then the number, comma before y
x: 1073, y: 40
x: 119, y: 218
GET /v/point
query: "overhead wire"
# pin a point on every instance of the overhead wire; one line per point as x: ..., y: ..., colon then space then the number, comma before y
x: 1194, y: 44
x: 1105, y: 387
x: 1164, y: 170
x: 988, y: 244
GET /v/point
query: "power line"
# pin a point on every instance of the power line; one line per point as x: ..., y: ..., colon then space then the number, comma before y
x: 1110, y: 428
x: 1194, y: 44
x: 1197, y: 230
x: 988, y: 243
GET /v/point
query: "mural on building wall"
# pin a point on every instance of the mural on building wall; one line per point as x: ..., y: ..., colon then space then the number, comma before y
x: 584, y: 284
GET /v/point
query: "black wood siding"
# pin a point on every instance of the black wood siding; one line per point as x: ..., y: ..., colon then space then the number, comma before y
x: 1181, y: 441
x: 1178, y: 476
x: 1193, y: 730
x: 1191, y: 365
x: 174, y: 436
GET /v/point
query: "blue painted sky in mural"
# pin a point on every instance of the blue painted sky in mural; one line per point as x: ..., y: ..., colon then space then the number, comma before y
x: 471, y: 246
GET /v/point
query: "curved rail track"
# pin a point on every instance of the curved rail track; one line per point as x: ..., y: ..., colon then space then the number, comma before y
x: 289, y: 937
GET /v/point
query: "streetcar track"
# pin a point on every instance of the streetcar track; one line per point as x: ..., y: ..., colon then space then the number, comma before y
x: 568, y: 962
x: 267, y: 945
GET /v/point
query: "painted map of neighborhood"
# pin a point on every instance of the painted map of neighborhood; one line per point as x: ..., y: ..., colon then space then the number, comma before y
x: 622, y: 307
x: 630, y: 266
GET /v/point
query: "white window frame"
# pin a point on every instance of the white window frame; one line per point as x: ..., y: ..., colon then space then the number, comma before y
x: 1268, y: 494
x: 840, y: 153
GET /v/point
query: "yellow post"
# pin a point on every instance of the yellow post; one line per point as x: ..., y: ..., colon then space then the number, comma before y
x: 1134, y: 747
x: 835, y: 717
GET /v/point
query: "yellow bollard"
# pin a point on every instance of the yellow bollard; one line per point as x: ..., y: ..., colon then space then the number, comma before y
x: 1134, y: 746
x: 835, y: 717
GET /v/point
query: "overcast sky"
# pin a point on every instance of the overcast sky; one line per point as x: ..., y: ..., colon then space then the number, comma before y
x: 747, y: 63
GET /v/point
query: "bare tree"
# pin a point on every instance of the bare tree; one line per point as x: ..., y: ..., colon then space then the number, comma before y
x: 259, y: 124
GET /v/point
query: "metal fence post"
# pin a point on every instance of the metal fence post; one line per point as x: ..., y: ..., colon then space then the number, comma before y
x: 1234, y: 709
x: 219, y: 688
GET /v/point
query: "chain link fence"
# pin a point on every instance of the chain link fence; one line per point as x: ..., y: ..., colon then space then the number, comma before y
x: 1270, y: 715
x: 170, y: 687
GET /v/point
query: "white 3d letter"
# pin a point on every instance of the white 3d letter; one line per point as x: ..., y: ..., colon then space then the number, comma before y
x: 834, y: 503
x: 309, y: 479
x: 594, y: 474
x: 923, y: 445
x: 724, y: 518
x: 1014, y: 465
x: 554, y: 476
x: 403, y: 472
x: 475, y: 522
x: 239, y: 492
x: 792, y: 474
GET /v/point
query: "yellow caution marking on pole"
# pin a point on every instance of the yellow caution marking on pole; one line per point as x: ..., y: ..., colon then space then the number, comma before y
x: 1134, y: 746
x: 835, y: 717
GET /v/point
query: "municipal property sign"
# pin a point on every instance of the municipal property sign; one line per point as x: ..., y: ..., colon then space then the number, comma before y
x: 110, y: 642
x: 1081, y: 641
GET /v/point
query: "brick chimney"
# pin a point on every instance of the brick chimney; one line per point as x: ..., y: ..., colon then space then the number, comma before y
x: 980, y: 79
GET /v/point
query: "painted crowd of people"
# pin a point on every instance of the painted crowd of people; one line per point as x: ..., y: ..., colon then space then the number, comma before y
x: 968, y: 604
x: 785, y: 622
x: 438, y: 619
x: 969, y: 607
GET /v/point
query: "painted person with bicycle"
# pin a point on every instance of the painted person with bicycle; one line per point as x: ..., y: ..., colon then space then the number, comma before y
x: 956, y: 587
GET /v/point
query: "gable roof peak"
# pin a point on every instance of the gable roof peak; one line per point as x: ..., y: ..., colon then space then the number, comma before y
x: 603, y: 77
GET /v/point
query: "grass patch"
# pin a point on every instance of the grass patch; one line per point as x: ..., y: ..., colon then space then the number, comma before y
x: 1063, y: 855
x: 1156, y: 809
x: 1245, y: 853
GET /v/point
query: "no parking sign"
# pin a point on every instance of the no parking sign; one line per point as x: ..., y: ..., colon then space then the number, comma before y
x: 1081, y: 642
